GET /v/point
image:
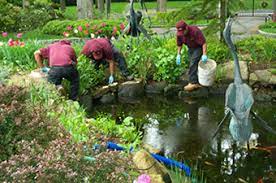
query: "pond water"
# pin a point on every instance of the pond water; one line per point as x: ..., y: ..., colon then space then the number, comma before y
x: 182, y: 129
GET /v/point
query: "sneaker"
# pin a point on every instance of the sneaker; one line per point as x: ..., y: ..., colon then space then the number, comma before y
x: 191, y: 87
x: 130, y: 77
x: 61, y: 90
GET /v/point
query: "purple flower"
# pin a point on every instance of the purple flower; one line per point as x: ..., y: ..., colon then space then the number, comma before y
x: 4, y: 34
x: 144, y: 178
x: 19, y: 35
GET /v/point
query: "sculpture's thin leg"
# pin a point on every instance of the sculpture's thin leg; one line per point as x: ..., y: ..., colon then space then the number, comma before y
x: 263, y: 123
x: 220, y: 124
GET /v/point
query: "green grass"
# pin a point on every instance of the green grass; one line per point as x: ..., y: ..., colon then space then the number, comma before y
x: 121, y: 7
x: 269, y: 27
x: 257, y: 5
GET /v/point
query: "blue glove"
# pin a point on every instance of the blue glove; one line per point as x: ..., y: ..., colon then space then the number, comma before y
x: 204, y: 58
x: 45, y: 69
x: 178, y: 61
x: 111, y: 79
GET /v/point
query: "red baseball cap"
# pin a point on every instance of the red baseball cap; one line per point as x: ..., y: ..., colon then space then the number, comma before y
x: 96, y: 50
x: 180, y: 27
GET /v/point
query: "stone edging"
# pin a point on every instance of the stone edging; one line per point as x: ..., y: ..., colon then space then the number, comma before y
x: 267, y: 33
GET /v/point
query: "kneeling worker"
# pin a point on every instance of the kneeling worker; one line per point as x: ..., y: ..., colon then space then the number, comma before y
x: 62, y: 61
x: 102, y: 51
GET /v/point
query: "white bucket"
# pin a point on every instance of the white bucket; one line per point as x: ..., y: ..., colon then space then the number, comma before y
x: 207, y: 72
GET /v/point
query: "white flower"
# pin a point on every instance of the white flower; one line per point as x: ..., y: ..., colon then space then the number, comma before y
x: 1, y: 43
x: 76, y: 31
x: 112, y: 38
x: 92, y: 35
x: 99, y: 37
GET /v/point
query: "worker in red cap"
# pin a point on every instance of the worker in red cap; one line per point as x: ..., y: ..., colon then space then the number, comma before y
x: 62, y: 61
x: 197, y: 49
x: 102, y: 51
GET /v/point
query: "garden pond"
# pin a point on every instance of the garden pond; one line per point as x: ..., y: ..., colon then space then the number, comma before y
x: 182, y: 129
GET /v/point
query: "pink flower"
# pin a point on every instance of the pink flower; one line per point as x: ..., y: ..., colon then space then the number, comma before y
x: 69, y: 27
x: 4, y: 34
x: 11, y: 42
x: 87, y: 25
x: 80, y: 28
x: 122, y: 26
x: 103, y: 24
x: 144, y: 178
x: 19, y: 35
x: 100, y: 31
x: 22, y: 44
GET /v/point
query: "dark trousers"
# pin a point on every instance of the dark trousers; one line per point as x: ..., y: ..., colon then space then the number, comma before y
x: 56, y: 74
x: 118, y: 58
x: 194, y: 55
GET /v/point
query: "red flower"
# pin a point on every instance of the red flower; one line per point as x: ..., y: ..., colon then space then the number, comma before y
x: 103, y: 24
x: 80, y: 28
x: 122, y: 26
x: 87, y: 25
x: 4, y: 34
x: 85, y: 32
x: 100, y: 31
x: 11, y: 42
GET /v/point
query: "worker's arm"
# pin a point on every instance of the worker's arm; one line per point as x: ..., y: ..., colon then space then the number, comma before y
x: 204, y: 49
x: 38, y: 58
x: 111, y: 70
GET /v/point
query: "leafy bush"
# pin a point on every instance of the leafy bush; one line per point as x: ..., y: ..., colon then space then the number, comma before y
x: 217, y: 51
x: 268, y: 27
x: 260, y: 48
x: 89, y: 76
x: 15, y: 18
x: 83, y: 28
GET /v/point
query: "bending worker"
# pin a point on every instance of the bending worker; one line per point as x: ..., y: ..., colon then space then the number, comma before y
x: 102, y: 51
x: 62, y: 61
x: 197, y: 49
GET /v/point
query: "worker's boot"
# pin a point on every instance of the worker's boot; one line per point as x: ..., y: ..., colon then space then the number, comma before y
x: 191, y: 87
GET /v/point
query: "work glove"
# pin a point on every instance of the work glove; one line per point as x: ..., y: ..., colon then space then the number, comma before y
x: 45, y: 70
x: 110, y: 79
x: 204, y: 58
x: 178, y: 61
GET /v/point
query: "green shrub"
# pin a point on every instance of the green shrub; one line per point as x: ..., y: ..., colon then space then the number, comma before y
x: 268, y: 27
x: 217, y: 51
x: 102, y: 28
x: 260, y: 48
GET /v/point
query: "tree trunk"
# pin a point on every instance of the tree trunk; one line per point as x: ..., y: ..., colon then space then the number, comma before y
x: 101, y: 5
x: 158, y: 5
x: 163, y: 5
x: 222, y: 18
x: 26, y: 3
x: 274, y: 11
x: 85, y: 9
x: 63, y: 5
x: 108, y: 7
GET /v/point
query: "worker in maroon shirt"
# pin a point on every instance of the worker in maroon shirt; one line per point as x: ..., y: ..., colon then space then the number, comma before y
x: 102, y: 51
x: 197, y: 49
x: 62, y: 61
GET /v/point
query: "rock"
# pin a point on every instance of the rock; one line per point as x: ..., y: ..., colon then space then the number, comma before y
x: 263, y: 75
x: 253, y: 79
x: 108, y: 98
x: 262, y: 96
x: 132, y: 89
x: 86, y: 102
x: 199, y: 93
x: 151, y: 149
x: 272, y: 79
x: 148, y: 165
x: 218, y: 89
x: 229, y: 69
x: 156, y: 87
x: 172, y: 89
x: 99, y: 92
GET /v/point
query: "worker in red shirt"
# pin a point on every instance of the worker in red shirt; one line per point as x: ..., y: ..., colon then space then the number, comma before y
x: 62, y: 61
x: 197, y: 50
x: 102, y: 51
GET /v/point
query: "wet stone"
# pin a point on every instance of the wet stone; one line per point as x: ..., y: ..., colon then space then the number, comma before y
x: 108, y: 98
x: 172, y: 89
x: 199, y: 93
x: 156, y: 87
x: 132, y: 89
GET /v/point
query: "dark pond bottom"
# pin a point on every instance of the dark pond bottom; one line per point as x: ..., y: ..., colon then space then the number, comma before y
x: 183, y: 128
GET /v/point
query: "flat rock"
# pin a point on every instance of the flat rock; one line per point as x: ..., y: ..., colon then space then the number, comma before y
x: 132, y: 89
